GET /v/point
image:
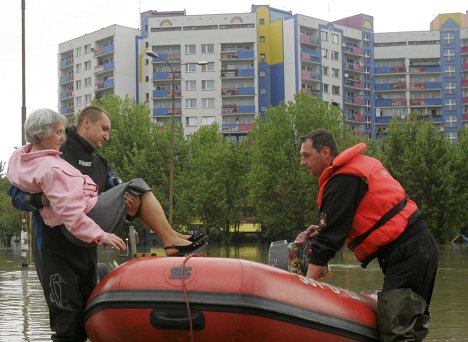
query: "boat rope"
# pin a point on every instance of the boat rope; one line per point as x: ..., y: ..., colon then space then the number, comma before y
x: 184, y: 288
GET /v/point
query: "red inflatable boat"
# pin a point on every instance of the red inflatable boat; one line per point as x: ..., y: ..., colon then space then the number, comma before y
x: 149, y: 299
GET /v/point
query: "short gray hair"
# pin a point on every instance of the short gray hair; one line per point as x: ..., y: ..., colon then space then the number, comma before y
x: 40, y: 123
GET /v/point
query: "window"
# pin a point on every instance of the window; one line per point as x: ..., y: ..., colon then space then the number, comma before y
x: 368, y: 122
x: 450, y: 88
x: 87, y: 65
x: 262, y: 56
x: 262, y: 39
x: 208, y: 67
x: 324, y: 53
x: 335, y: 38
x: 78, y: 68
x: 451, y: 121
x: 191, y: 85
x: 367, y: 105
x: 325, y: 88
x: 191, y: 121
x: 208, y: 120
x: 87, y: 82
x: 261, y: 22
x: 208, y: 85
x: 325, y: 71
x: 334, y: 55
x: 263, y: 91
x: 208, y: 102
x: 452, y: 136
x: 449, y: 37
x: 78, y: 51
x: 335, y: 72
x: 449, y: 71
x: 190, y: 49
x: 262, y: 73
x: 263, y: 108
x: 207, y: 48
x: 191, y: 103
x: 79, y: 100
x: 324, y: 36
x: 450, y: 104
x: 449, y: 54
x: 78, y: 84
x: 335, y: 90
x: 87, y: 98
x: 190, y: 67
x: 87, y: 48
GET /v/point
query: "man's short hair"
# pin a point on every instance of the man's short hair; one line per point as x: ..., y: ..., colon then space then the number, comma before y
x: 321, y: 138
x: 94, y: 113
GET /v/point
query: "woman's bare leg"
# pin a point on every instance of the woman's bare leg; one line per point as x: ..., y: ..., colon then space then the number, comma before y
x: 152, y: 215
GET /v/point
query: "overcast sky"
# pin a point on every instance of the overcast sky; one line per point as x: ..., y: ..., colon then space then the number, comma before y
x: 50, y: 22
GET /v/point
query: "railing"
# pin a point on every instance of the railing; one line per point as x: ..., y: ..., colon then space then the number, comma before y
x: 65, y: 62
x: 240, y: 54
x: 103, y: 50
x: 66, y: 94
x: 425, y: 69
x: 464, y: 50
x: 104, y: 84
x: 390, y: 69
x: 309, y: 39
x: 166, y: 111
x: 165, y: 75
x: 66, y: 78
x: 238, y: 91
x: 67, y: 109
x: 104, y: 67
x: 309, y: 75
x: 237, y: 127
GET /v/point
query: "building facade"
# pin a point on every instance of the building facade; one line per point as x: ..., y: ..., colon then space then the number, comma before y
x: 98, y: 63
x: 229, y: 68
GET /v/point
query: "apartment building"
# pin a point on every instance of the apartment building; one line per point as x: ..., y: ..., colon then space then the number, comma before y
x: 228, y: 68
x: 95, y: 64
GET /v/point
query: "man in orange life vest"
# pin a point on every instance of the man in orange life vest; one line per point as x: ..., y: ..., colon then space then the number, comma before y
x: 363, y: 206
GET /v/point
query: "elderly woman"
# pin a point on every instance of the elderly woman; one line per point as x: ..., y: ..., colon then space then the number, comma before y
x: 73, y: 197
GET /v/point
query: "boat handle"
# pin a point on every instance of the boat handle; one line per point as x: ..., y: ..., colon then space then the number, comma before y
x: 177, y: 320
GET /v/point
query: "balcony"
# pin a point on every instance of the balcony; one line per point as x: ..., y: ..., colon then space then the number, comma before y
x: 233, y: 108
x: 309, y: 39
x: 353, y: 50
x: 425, y: 85
x: 103, y: 50
x: 354, y: 67
x: 391, y: 102
x: 395, y: 69
x: 390, y: 86
x: 464, y: 83
x: 104, y: 84
x: 310, y: 56
x: 238, y: 91
x: 464, y: 66
x: 166, y: 93
x: 66, y: 79
x: 241, y: 54
x: 358, y: 101
x: 464, y: 50
x: 104, y: 67
x: 465, y: 99
x: 425, y: 69
x: 165, y: 75
x: 425, y: 102
x: 66, y: 62
x: 67, y: 110
x: 237, y: 127
x: 165, y: 111
x: 354, y: 84
x: 237, y: 73
x: 66, y: 95
x: 170, y: 57
x: 309, y: 75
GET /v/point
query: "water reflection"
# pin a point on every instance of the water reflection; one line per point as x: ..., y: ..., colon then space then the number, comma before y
x: 25, y: 318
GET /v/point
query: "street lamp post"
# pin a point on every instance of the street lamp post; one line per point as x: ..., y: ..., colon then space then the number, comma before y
x: 171, y: 155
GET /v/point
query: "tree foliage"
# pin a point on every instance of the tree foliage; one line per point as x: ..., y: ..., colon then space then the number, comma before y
x: 212, y: 187
x: 280, y: 190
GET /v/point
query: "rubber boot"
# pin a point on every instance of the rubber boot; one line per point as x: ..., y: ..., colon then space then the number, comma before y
x: 421, y: 327
x: 398, y: 311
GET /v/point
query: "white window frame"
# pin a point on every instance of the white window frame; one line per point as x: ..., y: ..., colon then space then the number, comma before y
x: 208, y: 67
x: 191, y: 121
x: 208, y: 102
x: 208, y: 120
x: 207, y: 48
x: 191, y: 85
x: 190, y: 49
x: 191, y: 103
x: 208, y: 84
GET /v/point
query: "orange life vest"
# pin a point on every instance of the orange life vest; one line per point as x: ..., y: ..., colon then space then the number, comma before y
x: 384, y: 211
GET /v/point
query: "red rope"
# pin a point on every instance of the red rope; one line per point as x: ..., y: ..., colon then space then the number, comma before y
x: 184, y: 288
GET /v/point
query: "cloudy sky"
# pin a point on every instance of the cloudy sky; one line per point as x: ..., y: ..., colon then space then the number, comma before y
x: 50, y: 22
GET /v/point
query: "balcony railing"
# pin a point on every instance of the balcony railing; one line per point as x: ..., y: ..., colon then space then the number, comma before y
x: 237, y: 127
x: 237, y: 73
x: 240, y: 54
x: 103, y: 50
x: 104, y: 67
x: 66, y: 94
x: 67, y: 110
x: 66, y: 62
x: 165, y: 75
x: 166, y: 111
x: 233, y: 108
x: 238, y: 91
x: 166, y: 93
x: 66, y: 78
x: 464, y: 50
x: 309, y: 39
x: 104, y: 84
x: 309, y: 75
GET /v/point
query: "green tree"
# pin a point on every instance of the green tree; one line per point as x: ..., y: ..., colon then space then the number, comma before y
x: 213, y: 186
x: 420, y: 158
x: 10, y: 218
x: 282, y: 193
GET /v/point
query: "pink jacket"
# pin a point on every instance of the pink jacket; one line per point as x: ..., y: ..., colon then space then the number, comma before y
x: 71, y: 194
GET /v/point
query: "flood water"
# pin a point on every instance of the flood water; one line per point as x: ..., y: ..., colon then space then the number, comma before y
x: 24, y: 317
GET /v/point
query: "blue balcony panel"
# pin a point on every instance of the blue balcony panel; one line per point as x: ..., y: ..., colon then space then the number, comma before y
x: 247, y: 109
x: 246, y: 91
x: 160, y: 111
x: 160, y: 93
x: 245, y: 72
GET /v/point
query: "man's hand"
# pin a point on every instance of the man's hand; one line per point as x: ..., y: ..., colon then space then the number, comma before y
x: 115, y: 242
x: 313, y: 231
x: 132, y: 202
